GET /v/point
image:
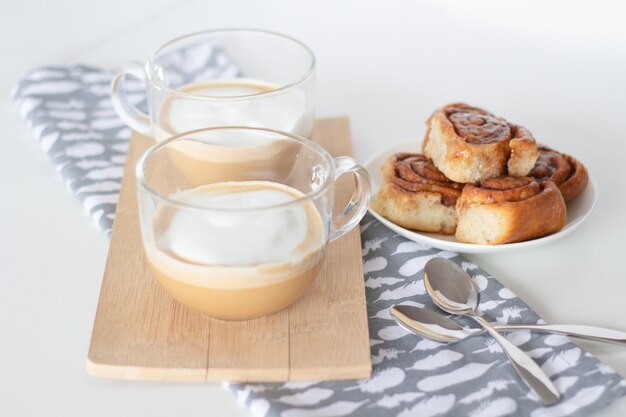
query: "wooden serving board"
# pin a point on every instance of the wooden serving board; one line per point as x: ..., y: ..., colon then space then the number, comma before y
x: 140, y: 332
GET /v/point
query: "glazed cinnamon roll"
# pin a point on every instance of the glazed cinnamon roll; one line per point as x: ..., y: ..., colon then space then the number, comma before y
x: 508, y: 209
x: 416, y: 195
x: 566, y: 172
x: 469, y: 144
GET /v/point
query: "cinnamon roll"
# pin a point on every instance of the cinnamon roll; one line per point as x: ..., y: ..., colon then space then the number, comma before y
x: 469, y: 144
x: 416, y: 195
x: 569, y: 174
x: 508, y: 209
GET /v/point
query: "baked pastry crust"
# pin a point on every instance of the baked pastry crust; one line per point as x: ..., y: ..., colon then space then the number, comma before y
x: 524, y: 151
x: 416, y: 195
x: 568, y: 173
x: 508, y: 209
x: 469, y: 144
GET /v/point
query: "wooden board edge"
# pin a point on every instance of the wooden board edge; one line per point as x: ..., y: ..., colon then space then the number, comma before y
x: 247, y: 375
x: 143, y: 373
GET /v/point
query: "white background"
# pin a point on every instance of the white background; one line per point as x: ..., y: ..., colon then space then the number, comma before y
x: 557, y: 67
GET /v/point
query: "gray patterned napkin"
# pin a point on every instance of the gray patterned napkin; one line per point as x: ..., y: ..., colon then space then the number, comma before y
x: 418, y: 377
x: 70, y: 113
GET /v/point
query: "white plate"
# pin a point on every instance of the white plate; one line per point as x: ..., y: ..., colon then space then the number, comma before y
x: 577, y: 212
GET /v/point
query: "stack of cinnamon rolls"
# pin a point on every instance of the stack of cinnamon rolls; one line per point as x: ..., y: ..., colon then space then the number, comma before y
x: 481, y: 178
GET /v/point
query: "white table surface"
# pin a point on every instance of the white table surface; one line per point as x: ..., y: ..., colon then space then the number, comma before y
x: 557, y: 67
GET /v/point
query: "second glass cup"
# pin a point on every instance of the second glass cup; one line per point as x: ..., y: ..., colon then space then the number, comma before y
x: 229, y: 77
x: 235, y: 220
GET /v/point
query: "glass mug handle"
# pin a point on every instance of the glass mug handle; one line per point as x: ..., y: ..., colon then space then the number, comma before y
x: 354, y: 211
x: 129, y: 114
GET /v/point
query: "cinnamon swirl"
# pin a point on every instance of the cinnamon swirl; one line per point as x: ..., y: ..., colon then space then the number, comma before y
x: 566, y: 172
x: 469, y: 144
x: 508, y: 209
x: 416, y: 195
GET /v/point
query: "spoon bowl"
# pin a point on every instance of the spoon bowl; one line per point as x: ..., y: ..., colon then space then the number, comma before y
x: 429, y: 324
x: 452, y: 289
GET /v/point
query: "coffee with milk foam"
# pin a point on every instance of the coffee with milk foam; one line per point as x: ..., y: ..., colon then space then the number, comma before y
x: 232, y: 102
x: 249, y: 253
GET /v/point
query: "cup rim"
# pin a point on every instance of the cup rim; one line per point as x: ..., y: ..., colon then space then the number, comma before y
x: 143, y: 184
x: 151, y: 76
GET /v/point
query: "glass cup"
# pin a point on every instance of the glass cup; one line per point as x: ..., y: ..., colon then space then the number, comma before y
x: 247, y: 236
x: 234, y: 77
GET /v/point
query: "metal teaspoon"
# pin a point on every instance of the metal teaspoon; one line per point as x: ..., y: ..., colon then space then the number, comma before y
x: 436, y: 326
x: 453, y: 291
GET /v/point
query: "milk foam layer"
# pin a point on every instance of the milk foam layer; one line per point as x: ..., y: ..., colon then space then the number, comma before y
x: 234, y: 249
x: 238, y: 238
x: 285, y: 111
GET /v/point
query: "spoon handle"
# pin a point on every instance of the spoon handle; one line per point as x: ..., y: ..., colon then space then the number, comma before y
x: 527, y: 369
x: 598, y: 334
